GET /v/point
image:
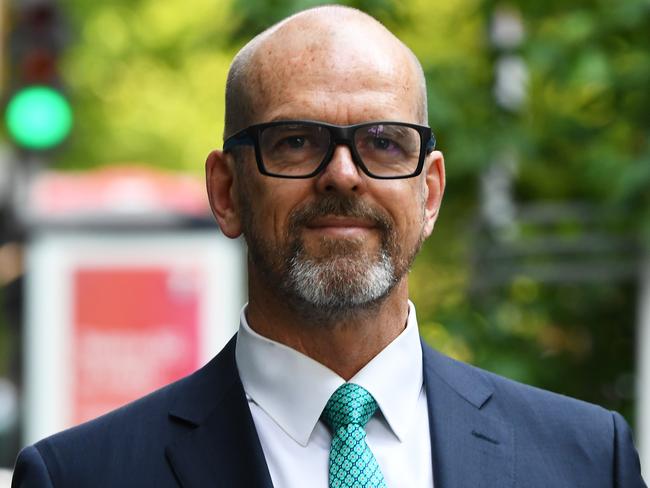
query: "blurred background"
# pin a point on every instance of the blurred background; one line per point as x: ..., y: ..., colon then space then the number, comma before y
x: 109, y: 261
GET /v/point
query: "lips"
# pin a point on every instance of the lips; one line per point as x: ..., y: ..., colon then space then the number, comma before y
x: 340, y: 227
x: 343, y: 222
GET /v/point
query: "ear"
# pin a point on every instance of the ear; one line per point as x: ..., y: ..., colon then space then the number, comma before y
x: 220, y: 181
x: 434, y: 180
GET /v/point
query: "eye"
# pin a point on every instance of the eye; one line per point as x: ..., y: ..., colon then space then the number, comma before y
x: 382, y: 143
x: 294, y: 142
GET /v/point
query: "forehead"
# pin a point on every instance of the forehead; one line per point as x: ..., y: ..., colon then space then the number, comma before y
x: 355, y: 73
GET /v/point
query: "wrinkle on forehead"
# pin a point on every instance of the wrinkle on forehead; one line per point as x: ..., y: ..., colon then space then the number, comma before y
x: 334, y: 49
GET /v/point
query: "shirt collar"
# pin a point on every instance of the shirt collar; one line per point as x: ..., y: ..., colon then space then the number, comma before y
x: 293, y: 389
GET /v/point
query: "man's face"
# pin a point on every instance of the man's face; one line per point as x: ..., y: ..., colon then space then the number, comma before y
x: 341, y: 240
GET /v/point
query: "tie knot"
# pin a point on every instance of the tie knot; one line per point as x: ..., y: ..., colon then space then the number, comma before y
x: 349, y: 404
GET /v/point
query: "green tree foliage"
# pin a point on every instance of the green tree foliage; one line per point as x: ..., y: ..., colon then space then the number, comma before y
x: 588, y: 116
x: 146, y: 79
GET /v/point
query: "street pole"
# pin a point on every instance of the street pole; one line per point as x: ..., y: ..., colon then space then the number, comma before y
x: 643, y: 368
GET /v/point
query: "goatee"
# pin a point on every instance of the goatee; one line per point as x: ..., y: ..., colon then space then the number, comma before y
x: 344, y: 278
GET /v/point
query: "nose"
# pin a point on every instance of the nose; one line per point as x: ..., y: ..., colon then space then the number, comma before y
x: 341, y: 174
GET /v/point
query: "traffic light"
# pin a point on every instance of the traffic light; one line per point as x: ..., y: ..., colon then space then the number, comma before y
x: 38, y: 115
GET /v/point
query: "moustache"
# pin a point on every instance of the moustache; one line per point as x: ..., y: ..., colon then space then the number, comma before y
x: 339, y: 206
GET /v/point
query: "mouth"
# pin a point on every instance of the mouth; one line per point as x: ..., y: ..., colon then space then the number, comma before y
x: 340, y: 226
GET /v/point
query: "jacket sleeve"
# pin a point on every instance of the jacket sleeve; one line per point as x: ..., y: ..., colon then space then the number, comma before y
x: 627, y: 470
x: 30, y: 470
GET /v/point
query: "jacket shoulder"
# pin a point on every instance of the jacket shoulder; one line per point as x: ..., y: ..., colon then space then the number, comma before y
x: 573, y: 439
x: 540, y: 417
x: 466, y: 378
x: 136, y: 434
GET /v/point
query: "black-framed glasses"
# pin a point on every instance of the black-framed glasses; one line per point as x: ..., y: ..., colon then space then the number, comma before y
x: 303, y: 148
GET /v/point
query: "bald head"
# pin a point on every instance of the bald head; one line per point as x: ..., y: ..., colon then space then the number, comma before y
x: 332, y: 48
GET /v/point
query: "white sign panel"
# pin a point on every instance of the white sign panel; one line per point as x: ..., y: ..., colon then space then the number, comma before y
x: 113, y: 316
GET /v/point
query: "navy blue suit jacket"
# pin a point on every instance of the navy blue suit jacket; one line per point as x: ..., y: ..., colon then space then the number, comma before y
x: 486, y: 431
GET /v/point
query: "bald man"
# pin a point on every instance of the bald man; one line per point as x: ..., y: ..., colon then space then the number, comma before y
x: 330, y: 172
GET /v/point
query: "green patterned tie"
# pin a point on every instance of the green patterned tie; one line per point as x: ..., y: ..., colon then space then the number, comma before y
x: 352, y: 464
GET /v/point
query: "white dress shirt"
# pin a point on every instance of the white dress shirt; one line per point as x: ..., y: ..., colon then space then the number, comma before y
x: 287, y: 392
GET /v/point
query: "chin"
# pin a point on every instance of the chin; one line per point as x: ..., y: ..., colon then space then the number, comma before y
x: 345, y: 251
x: 341, y: 282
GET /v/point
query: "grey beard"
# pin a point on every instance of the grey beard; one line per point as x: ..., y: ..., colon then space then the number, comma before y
x: 331, y: 289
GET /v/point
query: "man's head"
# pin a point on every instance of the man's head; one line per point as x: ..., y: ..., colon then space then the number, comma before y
x: 341, y: 240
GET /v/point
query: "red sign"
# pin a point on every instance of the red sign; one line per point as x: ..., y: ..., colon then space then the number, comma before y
x: 118, y: 191
x: 135, y: 330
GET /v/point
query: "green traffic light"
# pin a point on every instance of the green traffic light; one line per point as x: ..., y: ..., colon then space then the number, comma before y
x: 38, y: 117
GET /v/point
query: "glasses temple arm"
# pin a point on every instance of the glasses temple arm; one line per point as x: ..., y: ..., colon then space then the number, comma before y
x: 431, y: 144
x: 241, y: 139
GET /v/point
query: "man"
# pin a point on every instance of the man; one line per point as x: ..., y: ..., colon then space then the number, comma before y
x: 330, y: 173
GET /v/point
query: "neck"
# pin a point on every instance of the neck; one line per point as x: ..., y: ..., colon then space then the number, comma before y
x: 344, y: 345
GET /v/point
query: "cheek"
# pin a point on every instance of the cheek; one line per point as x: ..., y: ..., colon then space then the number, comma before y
x: 253, y: 207
x: 414, y: 222
x: 275, y: 201
x: 404, y: 201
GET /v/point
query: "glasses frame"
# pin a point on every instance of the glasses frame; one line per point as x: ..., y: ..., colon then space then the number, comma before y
x: 339, y: 135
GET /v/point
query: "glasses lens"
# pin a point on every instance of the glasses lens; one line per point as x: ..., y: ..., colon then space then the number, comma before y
x: 388, y: 149
x: 293, y: 149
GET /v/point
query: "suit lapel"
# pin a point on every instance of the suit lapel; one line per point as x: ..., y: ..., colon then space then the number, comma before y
x: 222, y: 448
x: 471, y: 445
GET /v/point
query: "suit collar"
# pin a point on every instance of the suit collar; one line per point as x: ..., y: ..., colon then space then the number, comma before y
x: 464, y: 380
x: 197, y: 395
x: 471, y: 444
x: 221, y: 447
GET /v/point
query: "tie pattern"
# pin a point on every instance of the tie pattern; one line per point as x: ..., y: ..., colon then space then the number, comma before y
x: 352, y: 464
